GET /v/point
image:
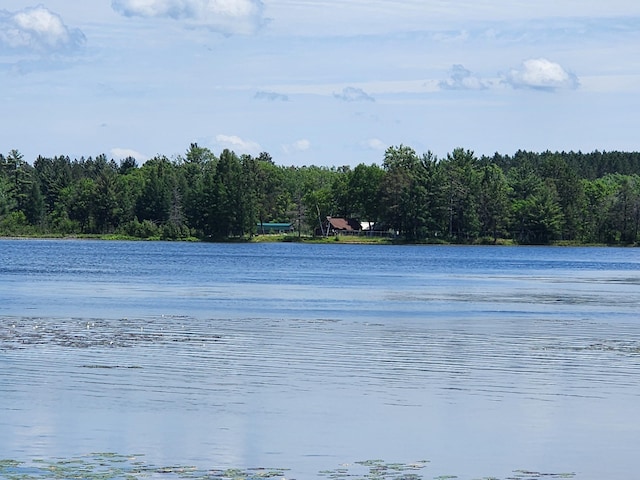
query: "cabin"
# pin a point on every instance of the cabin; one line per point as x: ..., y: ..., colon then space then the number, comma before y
x: 274, y: 228
x: 339, y: 226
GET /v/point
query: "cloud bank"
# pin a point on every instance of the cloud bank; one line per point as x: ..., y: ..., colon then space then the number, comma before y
x: 272, y: 96
x: 225, y: 16
x: 297, y: 146
x: 541, y: 74
x: 354, y: 94
x: 122, y: 153
x: 37, y: 29
x: 462, y: 79
x: 375, y: 144
x: 237, y: 144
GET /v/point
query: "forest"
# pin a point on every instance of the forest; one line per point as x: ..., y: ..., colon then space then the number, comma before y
x: 525, y: 198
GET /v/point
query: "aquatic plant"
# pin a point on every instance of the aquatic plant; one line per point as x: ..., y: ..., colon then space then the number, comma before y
x: 113, y: 466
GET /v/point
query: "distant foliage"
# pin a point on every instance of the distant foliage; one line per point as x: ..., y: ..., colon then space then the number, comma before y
x: 531, y: 198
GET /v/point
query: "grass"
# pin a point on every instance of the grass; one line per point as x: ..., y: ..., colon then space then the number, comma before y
x: 346, y: 239
x: 294, y: 237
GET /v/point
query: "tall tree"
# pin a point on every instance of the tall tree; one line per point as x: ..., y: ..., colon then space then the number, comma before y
x: 53, y: 174
x: 625, y: 212
x: 342, y: 196
x: 364, y: 185
x: 225, y: 215
x: 599, y: 197
x: 154, y: 203
x: 405, y: 192
x: 461, y: 185
x: 78, y: 200
x: 536, y: 216
x: 270, y: 190
x: 493, y: 201
x: 6, y: 201
x: 105, y: 203
x: 24, y: 190
x: 570, y: 193
x: 197, y: 155
x: 317, y: 200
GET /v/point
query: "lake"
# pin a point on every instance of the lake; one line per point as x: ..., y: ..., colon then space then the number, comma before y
x: 184, y: 360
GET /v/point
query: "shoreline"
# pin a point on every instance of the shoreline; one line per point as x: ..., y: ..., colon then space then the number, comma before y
x: 334, y: 240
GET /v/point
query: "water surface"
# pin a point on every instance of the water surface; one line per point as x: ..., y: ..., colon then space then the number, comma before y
x: 477, y: 361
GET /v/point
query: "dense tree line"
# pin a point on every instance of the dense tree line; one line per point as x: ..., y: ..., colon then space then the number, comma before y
x: 528, y: 197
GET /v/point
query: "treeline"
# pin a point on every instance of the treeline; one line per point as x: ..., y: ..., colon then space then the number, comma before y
x: 533, y: 198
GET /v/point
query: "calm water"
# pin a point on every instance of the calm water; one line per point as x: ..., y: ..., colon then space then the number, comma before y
x: 484, y: 362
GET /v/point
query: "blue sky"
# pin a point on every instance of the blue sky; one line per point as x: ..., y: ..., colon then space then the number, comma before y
x: 318, y: 82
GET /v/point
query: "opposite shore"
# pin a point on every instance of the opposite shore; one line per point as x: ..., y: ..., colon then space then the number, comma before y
x: 293, y: 238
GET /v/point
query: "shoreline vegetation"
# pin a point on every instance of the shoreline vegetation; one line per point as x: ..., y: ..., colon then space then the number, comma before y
x: 548, y: 198
x: 292, y: 238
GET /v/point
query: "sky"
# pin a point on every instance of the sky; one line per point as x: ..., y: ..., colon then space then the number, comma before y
x: 318, y: 82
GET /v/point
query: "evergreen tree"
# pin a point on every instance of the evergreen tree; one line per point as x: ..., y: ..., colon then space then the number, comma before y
x: 461, y: 184
x: 493, y: 202
x: 405, y: 192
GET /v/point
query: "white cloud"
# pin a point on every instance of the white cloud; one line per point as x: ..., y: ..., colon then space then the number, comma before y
x: 37, y: 29
x: 462, y: 79
x: 122, y: 153
x: 375, y: 144
x: 354, y: 94
x: 450, y: 37
x: 365, y: 17
x: 541, y: 74
x: 226, y: 16
x: 237, y: 144
x: 298, y: 146
x: 273, y: 96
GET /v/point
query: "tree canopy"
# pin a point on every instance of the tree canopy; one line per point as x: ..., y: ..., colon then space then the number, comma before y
x: 528, y: 197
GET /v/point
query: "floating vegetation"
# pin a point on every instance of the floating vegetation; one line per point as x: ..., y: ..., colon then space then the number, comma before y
x: 624, y: 347
x: 531, y: 475
x: 380, y: 470
x: 7, y: 464
x: 376, y: 470
x: 113, y: 466
x: 111, y: 367
x: 82, y: 333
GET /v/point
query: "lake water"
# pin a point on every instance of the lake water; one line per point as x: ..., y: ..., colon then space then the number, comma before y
x: 175, y: 359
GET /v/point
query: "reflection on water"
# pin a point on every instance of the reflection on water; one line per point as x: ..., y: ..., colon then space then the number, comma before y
x: 488, y: 362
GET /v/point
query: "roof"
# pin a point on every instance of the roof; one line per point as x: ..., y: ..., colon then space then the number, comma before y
x: 274, y: 225
x: 348, y: 224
